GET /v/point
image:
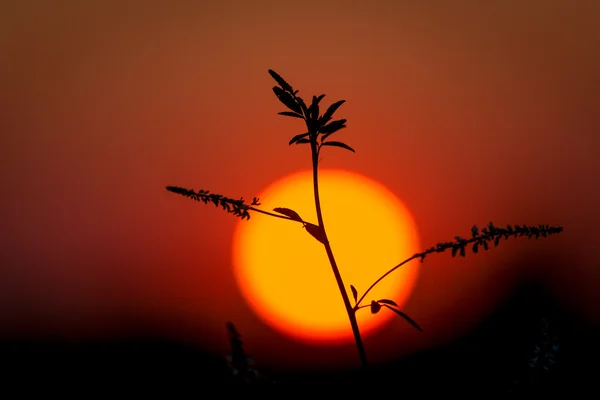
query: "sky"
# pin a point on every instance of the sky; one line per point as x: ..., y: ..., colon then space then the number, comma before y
x: 469, y: 112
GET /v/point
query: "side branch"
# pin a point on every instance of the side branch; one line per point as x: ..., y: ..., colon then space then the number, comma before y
x: 239, y: 208
x: 488, y: 234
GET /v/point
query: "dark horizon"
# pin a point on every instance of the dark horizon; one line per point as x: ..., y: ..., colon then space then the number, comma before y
x: 489, y: 359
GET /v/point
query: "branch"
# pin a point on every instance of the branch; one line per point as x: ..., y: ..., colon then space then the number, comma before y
x: 239, y: 208
x: 489, y: 234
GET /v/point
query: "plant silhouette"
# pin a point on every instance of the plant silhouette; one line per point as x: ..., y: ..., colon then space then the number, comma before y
x: 319, y: 129
x: 240, y: 363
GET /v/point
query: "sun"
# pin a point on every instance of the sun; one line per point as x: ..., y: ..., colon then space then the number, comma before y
x: 284, y: 273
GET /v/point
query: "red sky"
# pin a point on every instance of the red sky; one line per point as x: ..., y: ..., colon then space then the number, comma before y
x: 469, y: 112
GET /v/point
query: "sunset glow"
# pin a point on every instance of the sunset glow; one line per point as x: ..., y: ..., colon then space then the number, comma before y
x: 460, y: 114
x: 284, y: 273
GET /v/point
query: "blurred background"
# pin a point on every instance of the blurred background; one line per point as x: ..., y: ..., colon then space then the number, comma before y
x: 470, y: 112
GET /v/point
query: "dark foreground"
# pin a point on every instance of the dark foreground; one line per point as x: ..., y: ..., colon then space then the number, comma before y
x: 497, y: 358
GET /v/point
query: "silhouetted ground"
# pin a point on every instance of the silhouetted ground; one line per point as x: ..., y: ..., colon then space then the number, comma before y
x: 491, y: 359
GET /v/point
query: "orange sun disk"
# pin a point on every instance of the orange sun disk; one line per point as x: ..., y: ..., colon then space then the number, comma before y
x: 284, y: 273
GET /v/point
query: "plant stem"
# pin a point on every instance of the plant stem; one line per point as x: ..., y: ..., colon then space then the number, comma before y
x: 336, y: 272
x: 258, y: 210
x: 493, y: 235
x: 381, y: 278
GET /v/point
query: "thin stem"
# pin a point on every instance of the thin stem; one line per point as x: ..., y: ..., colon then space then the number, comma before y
x: 273, y: 215
x: 490, y: 233
x: 381, y: 278
x: 336, y: 272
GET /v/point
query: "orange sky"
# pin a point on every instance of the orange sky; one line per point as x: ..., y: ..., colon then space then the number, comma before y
x: 467, y: 111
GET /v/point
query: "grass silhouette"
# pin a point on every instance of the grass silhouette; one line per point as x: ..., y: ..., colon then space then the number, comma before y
x: 319, y: 129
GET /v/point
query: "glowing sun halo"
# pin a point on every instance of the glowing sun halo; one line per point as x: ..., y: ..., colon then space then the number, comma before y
x: 285, y: 276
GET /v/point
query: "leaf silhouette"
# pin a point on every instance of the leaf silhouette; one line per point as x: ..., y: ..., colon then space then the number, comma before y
x: 316, y: 232
x: 303, y: 140
x: 289, y: 213
x: 332, y: 109
x: 387, y: 301
x: 354, y: 293
x: 375, y: 307
x: 333, y: 126
x: 298, y: 137
x: 313, y: 110
x: 302, y: 105
x: 403, y: 315
x: 287, y: 99
x: 284, y: 85
x: 291, y: 114
x: 338, y: 144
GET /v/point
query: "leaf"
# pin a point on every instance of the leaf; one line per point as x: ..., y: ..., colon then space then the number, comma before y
x: 354, y: 293
x: 375, y: 307
x: 302, y: 105
x: 303, y: 140
x: 298, y: 137
x: 316, y: 232
x: 291, y: 114
x: 406, y: 317
x: 287, y: 99
x: 386, y: 301
x: 313, y: 110
x: 289, y: 213
x: 475, y: 247
x: 474, y: 230
x: 462, y: 251
x: 333, y: 126
x: 454, y: 250
x: 284, y: 85
x: 485, y: 245
x: 314, y: 107
x: 338, y: 144
x: 332, y: 109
